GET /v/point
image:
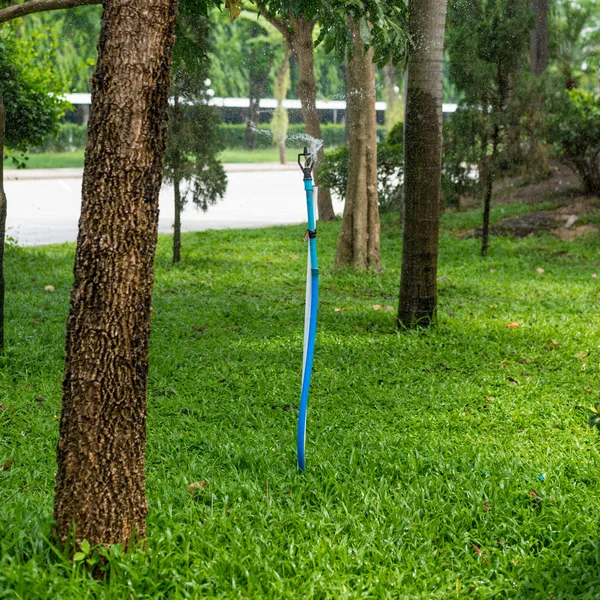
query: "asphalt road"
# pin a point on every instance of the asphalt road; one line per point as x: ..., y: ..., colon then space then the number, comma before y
x: 44, y: 206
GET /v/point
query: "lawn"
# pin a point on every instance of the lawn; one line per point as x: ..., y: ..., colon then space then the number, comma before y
x: 65, y: 160
x: 450, y: 463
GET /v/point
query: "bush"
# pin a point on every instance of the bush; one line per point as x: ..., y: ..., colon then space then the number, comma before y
x: 390, y: 157
x: 575, y: 133
x: 69, y: 136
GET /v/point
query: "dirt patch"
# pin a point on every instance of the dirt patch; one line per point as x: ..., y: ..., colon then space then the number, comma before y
x: 575, y: 232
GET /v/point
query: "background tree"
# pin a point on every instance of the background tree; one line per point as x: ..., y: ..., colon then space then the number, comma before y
x: 280, y: 119
x: 100, y: 484
x: 191, y: 161
x: 422, y: 163
x: 487, y: 47
x: 29, y: 111
x: 539, y: 37
x: 358, y: 242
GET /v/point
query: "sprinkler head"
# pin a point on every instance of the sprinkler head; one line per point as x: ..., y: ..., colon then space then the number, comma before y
x: 308, y: 164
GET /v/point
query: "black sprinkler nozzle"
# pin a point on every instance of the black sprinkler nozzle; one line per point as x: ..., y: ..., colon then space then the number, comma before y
x: 308, y: 164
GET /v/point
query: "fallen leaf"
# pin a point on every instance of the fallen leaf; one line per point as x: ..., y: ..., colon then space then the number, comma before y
x: 514, y: 324
x: 524, y: 361
x: 540, y: 270
x: 198, y: 485
x: 199, y: 329
x: 492, y: 270
x: 594, y: 276
x: 7, y: 464
x: 486, y: 507
x: 582, y: 354
x: 489, y: 398
x: 339, y: 309
x: 554, y: 343
x: 2, y: 407
x: 49, y: 288
x: 376, y: 307
x: 479, y: 552
x: 294, y: 256
x: 389, y: 308
x: 534, y: 496
x: 512, y: 380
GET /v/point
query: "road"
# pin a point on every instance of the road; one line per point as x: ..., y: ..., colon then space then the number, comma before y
x: 44, y: 206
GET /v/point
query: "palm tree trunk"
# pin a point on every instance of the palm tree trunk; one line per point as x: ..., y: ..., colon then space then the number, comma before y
x: 358, y: 242
x: 422, y: 163
x: 100, y: 483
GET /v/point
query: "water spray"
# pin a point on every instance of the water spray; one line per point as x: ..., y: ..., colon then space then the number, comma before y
x: 306, y: 161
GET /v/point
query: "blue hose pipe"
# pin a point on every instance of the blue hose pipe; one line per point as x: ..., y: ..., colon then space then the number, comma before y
x: 312, y: 299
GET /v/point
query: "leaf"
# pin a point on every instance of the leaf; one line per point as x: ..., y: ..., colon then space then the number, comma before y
x: 6, y: 466
x: 78, y: 556
x: 376, y: 307
x: 540, y: 270
x: 365, y: 31
x: 235, y: 8
x: 49, y: 288
x: 85, y: 547
x: 339, y: 309
x: 389, y: 308
x: 594, y: 276
x: 198, y: 485
x: 513, y: 325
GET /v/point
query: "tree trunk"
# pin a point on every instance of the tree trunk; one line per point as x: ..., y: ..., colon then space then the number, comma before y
x: 358, y: 242
x: 3, y: 206
x: 281, y: 89
x: 422, y: 163
x: 177, y: 222
x: 100, y: 483
x: 301, y: 43
x: 489, y: 182
x: 539, y: 37
x: 394, y: 111
x: 253, y: 116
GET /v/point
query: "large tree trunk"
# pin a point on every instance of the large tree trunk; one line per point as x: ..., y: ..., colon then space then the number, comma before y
x: 422, y: 163
x: 539, y: 37
x: 100, y: 484
x: 358, y: 242
x: 301, y: 43
x: 2, y: 217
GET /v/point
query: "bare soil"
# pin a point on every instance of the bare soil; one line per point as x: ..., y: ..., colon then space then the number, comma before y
x: 567, y: 218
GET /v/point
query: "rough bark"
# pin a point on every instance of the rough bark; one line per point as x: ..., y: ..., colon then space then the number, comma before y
x: 3, y: 206
x: 299, y: 37
x: 34, y: 6
x: 539, y: 37
x: 358, y: 242
x: 422, y: 163
x: 177, y: 221
x: 100, y: 483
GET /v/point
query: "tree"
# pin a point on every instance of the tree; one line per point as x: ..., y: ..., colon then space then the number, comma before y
x: 193, y: 143
x: 422, y: 163
x: 280, y: 120
x: 297, y: 29
x: 487, y: 49
x: 28, y: 112
x: 358, y: 242
x: 539, y: 37
x: 100, y: 484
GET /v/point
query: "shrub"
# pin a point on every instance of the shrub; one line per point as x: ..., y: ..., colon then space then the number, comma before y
x: 390, y: 157
x: 575, y: 132
x: 69, y: 136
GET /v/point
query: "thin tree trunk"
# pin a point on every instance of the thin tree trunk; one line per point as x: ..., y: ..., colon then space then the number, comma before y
x: 177, y: 222
x: 253, y: 116
x: 394, y: 111
x: 301, y: 42
x: 100, y: 483
x: 281, y: 87
x: 3, y: 206
x: 422, y: 163
x: 489, y: 182
x: 358, y: 242
x: 539, y: 37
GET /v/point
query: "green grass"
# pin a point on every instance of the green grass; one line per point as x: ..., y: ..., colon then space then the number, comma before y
x: 450, y: 463
x: 66, y: 160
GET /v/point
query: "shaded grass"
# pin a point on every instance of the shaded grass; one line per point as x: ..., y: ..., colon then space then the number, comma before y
x: 454, y: 462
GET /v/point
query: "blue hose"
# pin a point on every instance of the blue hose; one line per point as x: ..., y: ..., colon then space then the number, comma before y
x: 312, y: 319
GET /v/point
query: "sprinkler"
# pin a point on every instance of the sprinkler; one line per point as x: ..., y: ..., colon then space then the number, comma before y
x: 306, y: 162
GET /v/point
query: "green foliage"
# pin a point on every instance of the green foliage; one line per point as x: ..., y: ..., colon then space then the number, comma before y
x: 67, y: 137
x: 421, y: 446
x: 390, y: 165
x: 575, y: 132
x: 28, y: 84
x: 193, y: 143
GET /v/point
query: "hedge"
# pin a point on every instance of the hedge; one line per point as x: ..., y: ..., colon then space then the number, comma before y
x: 74, y: 137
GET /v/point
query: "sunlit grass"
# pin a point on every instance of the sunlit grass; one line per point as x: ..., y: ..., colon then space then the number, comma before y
x: 448, y: 463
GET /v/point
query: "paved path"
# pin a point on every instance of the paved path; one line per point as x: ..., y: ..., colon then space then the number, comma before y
x: 44, y: 205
